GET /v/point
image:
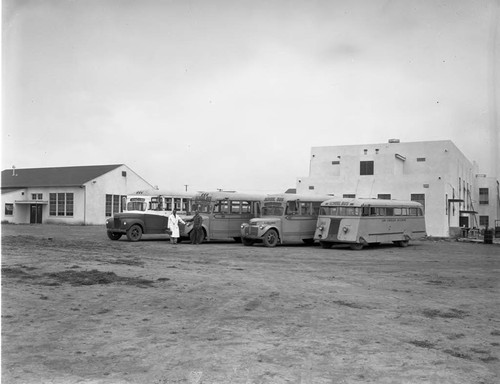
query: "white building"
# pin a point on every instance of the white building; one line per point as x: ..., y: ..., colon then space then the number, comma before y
x: 434, y: 173
x: 84, y: 195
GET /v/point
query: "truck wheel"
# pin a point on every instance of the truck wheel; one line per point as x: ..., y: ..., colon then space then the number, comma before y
x: 270, y: 238
x: 114, y: 235
x: 134, y: 233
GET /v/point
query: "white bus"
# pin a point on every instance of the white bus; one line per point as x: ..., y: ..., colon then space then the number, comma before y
x: 146, y: 212
x: 360, y: 222
x: 285, y: 218
x: 223, y: 213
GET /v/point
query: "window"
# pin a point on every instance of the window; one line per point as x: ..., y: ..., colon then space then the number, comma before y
x: 335, y: 162
x: 221, y: 206
x: 311, y: 187
x: 61, y: 204
x: 36, y: 196
x: 484, y: 221
x: 384, y: 196
x: 113, y: 204
x: 366, y: 168
x: 419, y: 198
x: 483, y: 196
x: 420, y: 159
x: 9, y: 209
x: 348, y: 196
x: 235, y: 207
x: 124, y: 173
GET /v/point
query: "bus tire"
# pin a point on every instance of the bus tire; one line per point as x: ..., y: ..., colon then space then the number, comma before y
x: 326, y: 244
x: 247, y: 242
x: 114, y: 235
x: 134, y: 233
x: 402, y: 243
x: 237, y: 239
x: 357, y: 247
x: 270, y: 238
x: 308, y: 241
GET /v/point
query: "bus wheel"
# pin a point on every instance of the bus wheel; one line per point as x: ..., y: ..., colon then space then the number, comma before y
x: 134, y: 233
x: 308, y: 241
x: 247, y: 242
x: 357, y: 247
x: 402, y: 243
x: 270, y: 238
x: 326, y: 244
x: 114, y: 235
x: 237, y: 239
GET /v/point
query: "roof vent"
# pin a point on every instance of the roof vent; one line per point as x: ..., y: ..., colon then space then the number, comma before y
x: 393, y: 141
x: 14, y: 170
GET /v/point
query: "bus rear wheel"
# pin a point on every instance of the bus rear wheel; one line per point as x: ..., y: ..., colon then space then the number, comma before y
x: 402, y: 243
x: 326, y: 244
x: 134, y: 233
x: 270, y: 238
x: 357, y: 247
x: 114, y: 235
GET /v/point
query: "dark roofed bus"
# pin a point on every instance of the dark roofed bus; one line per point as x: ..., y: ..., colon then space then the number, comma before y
x: 147, y: 213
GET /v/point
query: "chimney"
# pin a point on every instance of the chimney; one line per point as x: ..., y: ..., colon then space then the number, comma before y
x: 14, y: 170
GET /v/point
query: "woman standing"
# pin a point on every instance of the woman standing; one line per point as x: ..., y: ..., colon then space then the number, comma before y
x: 173, y: 225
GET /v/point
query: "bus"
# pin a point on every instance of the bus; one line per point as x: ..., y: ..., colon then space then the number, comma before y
x: 359, y: 222
x: 223, y: 213
x: 146, y: 212
x: 285, y: 218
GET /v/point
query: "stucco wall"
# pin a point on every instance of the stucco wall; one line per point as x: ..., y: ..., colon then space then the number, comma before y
x: 444, y: 173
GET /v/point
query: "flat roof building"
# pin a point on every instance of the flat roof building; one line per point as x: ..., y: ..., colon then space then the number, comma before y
x: 434, y: 173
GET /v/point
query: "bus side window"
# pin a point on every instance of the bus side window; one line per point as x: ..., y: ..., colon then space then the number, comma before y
x: 366, y: 211
x: 397, y: 211
x: 373, y: 211
x: 235, y: 207
x: 389, y: 211
x: 245, y: 207
x: 291, y: 208
x: 168, y: 204
x: 305, y: 209
x: 315, y: 208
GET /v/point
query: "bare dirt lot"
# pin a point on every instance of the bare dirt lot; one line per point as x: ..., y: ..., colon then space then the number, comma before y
x: 80, y: 308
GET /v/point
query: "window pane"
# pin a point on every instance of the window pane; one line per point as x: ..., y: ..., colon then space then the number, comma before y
x: 483, y: 196
x: 52, y: 204
x: 60, y: 204
x: 109, y: 202
x: 366, y: 168
x: 69, y: 204
x: 9, y: 209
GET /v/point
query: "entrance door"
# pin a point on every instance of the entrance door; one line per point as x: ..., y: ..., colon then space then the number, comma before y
x: 36, y: 214
x: 463, y: 221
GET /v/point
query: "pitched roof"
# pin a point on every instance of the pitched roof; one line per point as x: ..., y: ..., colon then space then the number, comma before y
x: 53, y: 177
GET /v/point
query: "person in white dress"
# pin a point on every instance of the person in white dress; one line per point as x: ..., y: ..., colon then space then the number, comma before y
x: 173, y: 225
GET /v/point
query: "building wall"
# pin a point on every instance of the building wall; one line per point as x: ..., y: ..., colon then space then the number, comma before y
x: 491, y: 209
x: 89, y: 199
x: 435, y: 169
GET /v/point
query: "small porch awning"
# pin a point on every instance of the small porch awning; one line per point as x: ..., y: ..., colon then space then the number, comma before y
x: 468, y: 212
x: 456, y: 200
x: 29, y: 202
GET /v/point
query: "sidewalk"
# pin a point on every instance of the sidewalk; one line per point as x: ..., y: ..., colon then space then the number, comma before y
x: 496, y: 240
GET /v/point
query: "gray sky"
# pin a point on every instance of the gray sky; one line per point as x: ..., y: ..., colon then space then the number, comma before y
x: 233, y: 94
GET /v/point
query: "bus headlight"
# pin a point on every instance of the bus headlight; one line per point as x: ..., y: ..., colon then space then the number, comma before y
x: 321, y: 228
x: 345, y: 229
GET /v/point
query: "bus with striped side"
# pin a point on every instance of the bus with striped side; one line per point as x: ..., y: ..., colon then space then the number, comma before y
x: 359, y: 222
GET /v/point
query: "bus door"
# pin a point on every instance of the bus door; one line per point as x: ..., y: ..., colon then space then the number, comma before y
x: 292, y: 221
x: 219, y: 220
x: 308, y: 219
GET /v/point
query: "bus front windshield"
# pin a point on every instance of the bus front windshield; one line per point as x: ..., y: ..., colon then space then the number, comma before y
x: 272, y: 209
x: 136, y: 205
x: 201, y: 206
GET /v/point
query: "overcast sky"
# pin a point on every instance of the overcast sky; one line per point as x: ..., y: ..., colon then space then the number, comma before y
x: 233, y: 94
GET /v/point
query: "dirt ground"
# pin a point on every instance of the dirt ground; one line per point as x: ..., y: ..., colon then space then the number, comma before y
x: 80, y: 308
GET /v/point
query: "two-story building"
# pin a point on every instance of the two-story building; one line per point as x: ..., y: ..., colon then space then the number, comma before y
x: 434, y: 173
x: 83, y: 195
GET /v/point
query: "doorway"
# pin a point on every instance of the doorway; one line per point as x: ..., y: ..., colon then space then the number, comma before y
x: 36, y: 214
